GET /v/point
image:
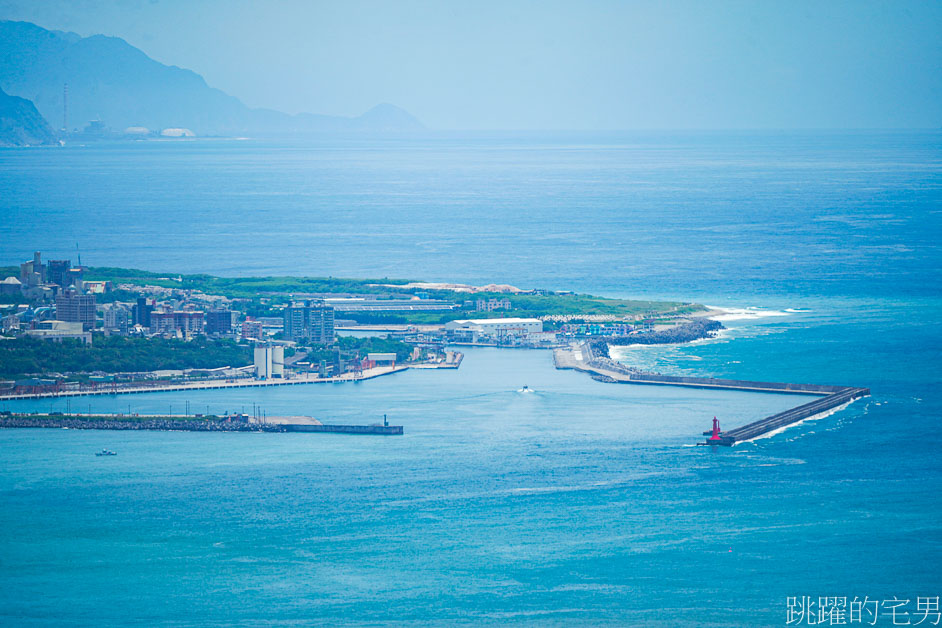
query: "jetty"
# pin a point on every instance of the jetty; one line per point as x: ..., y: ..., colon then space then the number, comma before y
x: 385, y: 430
x: 159, y: 424
x: 789, y: 417
x: 172, y: 423
x: 581, y: 357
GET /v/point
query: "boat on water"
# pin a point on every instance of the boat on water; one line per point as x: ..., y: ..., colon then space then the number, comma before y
x: 106, y: 452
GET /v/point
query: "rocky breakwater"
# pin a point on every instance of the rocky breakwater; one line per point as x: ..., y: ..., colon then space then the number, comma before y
x: 686, y: 332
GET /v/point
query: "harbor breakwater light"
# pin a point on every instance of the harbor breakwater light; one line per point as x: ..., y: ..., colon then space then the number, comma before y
x: 581, y: 357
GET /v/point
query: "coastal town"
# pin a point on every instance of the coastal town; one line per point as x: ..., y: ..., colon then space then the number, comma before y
x: 73, y: 330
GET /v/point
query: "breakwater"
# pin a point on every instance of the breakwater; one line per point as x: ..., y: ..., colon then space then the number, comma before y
x: 788, y: 417
x: 388, y: 430
x: 105, y: 423
x: 182, y: 425
x: 734, y: 384
x: 585, y: 357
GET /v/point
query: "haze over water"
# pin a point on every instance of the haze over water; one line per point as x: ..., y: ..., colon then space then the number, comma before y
x: 581, y: 503
x: 685, y: 215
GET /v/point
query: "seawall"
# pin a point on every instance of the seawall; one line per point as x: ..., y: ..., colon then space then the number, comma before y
x: 582, y: 358
x: 101, y: 423
x: 386, y: 430
x: 789, y: 417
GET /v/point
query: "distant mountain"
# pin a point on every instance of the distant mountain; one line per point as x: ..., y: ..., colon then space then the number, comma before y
x: 21, y: 124
x: 111, y: 80
x: 388, y: 117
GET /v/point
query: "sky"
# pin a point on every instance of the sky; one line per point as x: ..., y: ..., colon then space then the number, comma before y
x: 581, y: 65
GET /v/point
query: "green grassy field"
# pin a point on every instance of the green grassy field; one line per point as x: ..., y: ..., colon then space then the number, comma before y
x: 280, y: 289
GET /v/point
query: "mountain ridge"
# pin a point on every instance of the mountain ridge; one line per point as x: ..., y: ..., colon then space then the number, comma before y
x: 21, y: 123
x: 111, y: 80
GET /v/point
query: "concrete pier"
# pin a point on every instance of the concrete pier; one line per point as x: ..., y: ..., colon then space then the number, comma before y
x: 580, y: 357
x: 387, y: 430
x: 788, y: 417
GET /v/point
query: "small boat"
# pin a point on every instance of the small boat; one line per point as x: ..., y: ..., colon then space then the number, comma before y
x: 106, y: 452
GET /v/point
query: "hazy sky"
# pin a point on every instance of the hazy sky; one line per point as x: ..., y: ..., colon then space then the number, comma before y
x: 544, y: 64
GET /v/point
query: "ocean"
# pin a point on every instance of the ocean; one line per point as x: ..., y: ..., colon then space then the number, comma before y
x: 581, y: 503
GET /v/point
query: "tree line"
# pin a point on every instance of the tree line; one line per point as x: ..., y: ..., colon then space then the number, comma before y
x: 25, y: 356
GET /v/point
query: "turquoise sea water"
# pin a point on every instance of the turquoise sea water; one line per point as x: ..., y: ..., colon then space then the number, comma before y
x: 581, y: 503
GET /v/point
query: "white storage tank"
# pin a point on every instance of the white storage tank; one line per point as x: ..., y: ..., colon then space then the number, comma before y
x: 263, y: 362
x: 278, y: 361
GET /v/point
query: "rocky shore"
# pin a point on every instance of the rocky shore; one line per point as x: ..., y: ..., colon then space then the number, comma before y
x: 688, y: 332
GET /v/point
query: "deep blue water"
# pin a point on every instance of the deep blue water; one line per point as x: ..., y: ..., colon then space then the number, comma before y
x: 582, y: 503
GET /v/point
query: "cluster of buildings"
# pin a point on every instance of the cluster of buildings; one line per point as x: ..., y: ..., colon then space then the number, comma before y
x: 308, y: 322
x: 65, y: 306
x: 43, y: 282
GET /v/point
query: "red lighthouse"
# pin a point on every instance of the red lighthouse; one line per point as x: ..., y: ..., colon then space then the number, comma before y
x: 716, y: 430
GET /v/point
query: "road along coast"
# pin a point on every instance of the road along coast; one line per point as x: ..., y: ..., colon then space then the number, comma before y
x: 358, y: 376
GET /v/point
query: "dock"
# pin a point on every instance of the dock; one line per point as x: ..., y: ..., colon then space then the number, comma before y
x: 580, y: 357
